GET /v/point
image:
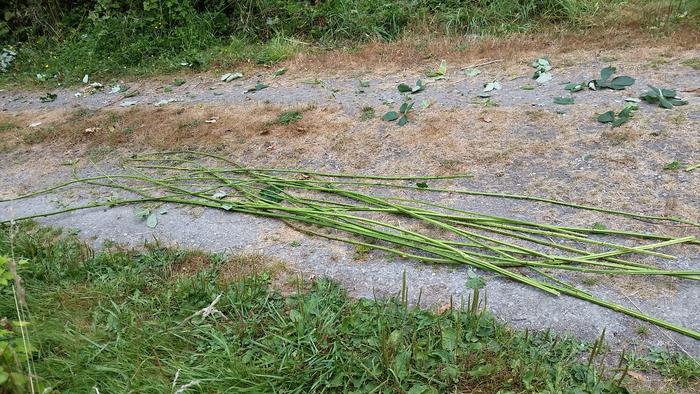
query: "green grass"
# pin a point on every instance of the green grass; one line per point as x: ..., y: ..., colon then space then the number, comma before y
x: 693, y: 63
x: 118, y: 320
x: 289, y: 117
x: 113, y: 38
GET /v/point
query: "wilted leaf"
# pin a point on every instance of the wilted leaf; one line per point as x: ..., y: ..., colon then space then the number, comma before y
x: 228, y: 77
x: 544, y: 77
x: 564, y: 100
x: 620, y: 121
x: 152, y: 220
x: 425, y: 103
x: 279, y: 71
x: 219, y: 195
x: 364, y: 84
x: 403, y: 88
x: 606, y: 117
x: 422, y: 185
x: 472, y: 72
x: 418, y: 87
x: 574, y: 87
x: 440, y: 72
x: 495, y: 85
x: 607, y: 72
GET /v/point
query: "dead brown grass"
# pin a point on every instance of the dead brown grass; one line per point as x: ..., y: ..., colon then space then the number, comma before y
x: 427, y: 47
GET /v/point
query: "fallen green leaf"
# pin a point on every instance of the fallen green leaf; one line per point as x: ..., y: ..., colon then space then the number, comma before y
x: 564, y: 100
x: 390, y: 116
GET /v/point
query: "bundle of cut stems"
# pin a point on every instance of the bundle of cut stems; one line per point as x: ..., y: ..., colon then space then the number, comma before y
x: 332, y: 205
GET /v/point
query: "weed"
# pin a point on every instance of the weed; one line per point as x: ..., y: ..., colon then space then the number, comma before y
x: 191, y: 124
x: 693, y: 63
x: 143, y: 306
x: 289, y: 117
x: 367, y: 113
x: 63, y: 41
x: 642, y: 330
x: 98, y: 153
x: 7, y: 126
x: 37, y: 135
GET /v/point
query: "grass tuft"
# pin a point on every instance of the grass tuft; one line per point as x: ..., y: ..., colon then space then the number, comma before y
x: 118, y: 320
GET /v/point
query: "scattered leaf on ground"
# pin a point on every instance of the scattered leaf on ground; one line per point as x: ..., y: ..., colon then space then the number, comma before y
x: 564, y: 100
x: 472, y: 72
x: 495, y: 85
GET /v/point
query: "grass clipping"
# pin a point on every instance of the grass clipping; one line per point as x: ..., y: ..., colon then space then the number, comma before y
x: 360, y: 210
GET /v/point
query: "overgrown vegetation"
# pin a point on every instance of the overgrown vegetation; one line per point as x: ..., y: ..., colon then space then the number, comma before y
x: 121, y: 320
x: 63, y: 41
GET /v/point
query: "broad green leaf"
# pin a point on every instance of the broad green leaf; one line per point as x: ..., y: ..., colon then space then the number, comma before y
x: 607, y: 72
x: 390, y: 116
x: 564, y: 100
x: 621, y: 82
x: 404, y: 108
x: 403, y: 88
x: 422, y: 185
x: 606, y: 117
x: 664, y: 103
x: 152, y: 220
x: 401, y: 364
x: 403, y: 120
x: 472, y: 72
x: 449, y: 338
